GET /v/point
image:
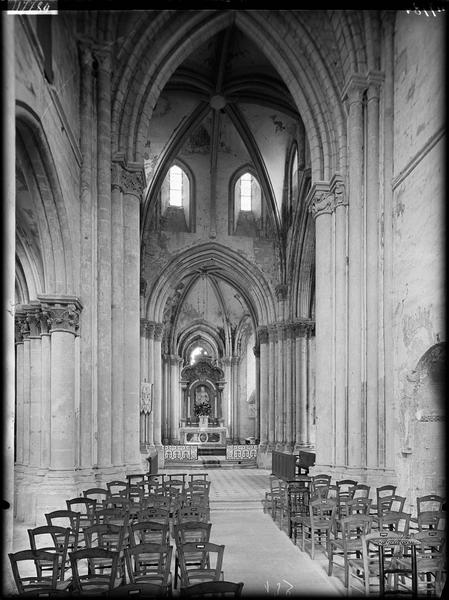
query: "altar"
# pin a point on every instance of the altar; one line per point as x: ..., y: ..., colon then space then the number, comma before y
x: 202, y: 436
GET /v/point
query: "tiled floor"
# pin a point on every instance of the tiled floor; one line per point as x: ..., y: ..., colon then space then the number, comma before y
x: 257, y: 551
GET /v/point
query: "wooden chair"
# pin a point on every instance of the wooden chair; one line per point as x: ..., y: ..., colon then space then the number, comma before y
x: 198, y: 477
x: 318, y: 523
x: 25, y: 562
x: 96, y: 493
x: 110, y: 537
x: 68, y: 519
x: 431, y: 565
x: 430, y: 502
x: 152, y: 532
x: 86, y: 507
x: 214, y: 589
x: 297, y: 507
x: 398, y: 522
x: 51, y: 538
x: 207, y: 568
x: 150, y: 563
x: 346, y: 541
x: 346, y: 486
x: 99, y: 575
x: 279, y: 503
x: 189, y: 531
x: 381, y: 492
x: 272, y: 493
x: 380, y: 553
x: 361, y: 490
x: 115, y: 486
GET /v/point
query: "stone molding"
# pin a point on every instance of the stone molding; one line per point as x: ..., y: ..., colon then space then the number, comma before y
x: 325, y: 197
x: 130, y: 182
x: 61, y: 313
x: 354, y: 88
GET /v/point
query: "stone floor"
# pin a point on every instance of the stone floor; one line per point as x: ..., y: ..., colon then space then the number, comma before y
x: 257, y: 551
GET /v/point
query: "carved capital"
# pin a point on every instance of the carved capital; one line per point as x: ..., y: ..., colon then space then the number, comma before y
x: 262, y: 333
x: 256, y: 350
x: 22, y: 329
x: 337, y: 188
x: 102, y: 54
x: 61, y: 313
x: 158, y: 331
x: 354, y: 88
x: 130, y: 182
x: 34, y: 320
x: 375, y: 81
x: 319, y: 199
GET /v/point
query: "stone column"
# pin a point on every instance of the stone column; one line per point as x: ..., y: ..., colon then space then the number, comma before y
x: 104, y: 256
x: 341, y: 290
x: 46, y: 393
x: 21, y: 327
x: 26, y: 391
x: 256, y: 351
x: 119, y: 351
x: 8, y: 291
x: 355, y: 124
x: 262, y: 333
x: 62, y: 314
x: 302, y: 387
x: 132, y: 185
x: 272, y: 332
x: 150, y: 333
x: 387, y: 457
x: 321, y: 206
x: 226, y: 362
x: 88, y: 286
x: 373, y: 274
x: 311, y: 388
x: 279, y: 394
x: 144, y: 416
x: 157, y: 401
x: 289, y: 400
x: 34, y: 324
x: 235, y: 362
x: 300, y: 401
x: 166, y: 398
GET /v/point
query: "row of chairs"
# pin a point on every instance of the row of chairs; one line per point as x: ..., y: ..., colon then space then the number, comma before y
x: 344, y: 521
x: 133, y: 555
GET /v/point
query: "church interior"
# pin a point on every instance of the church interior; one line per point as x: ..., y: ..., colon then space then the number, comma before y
x: 225, y: 237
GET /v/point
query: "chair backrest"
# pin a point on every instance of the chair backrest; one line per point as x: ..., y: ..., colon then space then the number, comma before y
x: 26, y: 562
x: 96, y: 493
x: 324, y: 508
x: 432, y: 545
x: 385, y: 490
x: 146, y: 562
x: 360, y: 505
x: 345, y: 484
x: 298, y: 498
x: 101, y: 573
x: 191, y: 531
x: 399, y: 522
x: 105, y: 535
x: 208, y: 562
x: 356, y: 525
x: 198, y: 476
x: 192, y: 513
x: 361, y: 490
x: 214, y: 589
x: 50, y: 538
x: 429, y: 502
x: 321, y: 479
x: 432, y: 519
x: 116, y: 485
x: 152, y: 532
x: 85, y: 506
x: 154, y: 513
x: 393, y: 503
x: 116, y: 516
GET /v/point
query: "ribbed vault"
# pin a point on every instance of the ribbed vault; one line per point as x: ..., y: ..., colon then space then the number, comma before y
x: 226, y: 265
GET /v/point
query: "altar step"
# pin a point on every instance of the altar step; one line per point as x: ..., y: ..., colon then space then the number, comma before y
x: 212, y: 462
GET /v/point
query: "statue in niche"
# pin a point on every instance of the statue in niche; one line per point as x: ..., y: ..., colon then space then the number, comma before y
x: 202, y: 406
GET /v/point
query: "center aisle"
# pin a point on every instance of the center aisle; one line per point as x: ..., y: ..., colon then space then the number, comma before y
x: 257, y: 552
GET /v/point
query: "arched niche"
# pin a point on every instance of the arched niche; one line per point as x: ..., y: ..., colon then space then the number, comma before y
x: 202, y: 383
x: 428, y: 440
